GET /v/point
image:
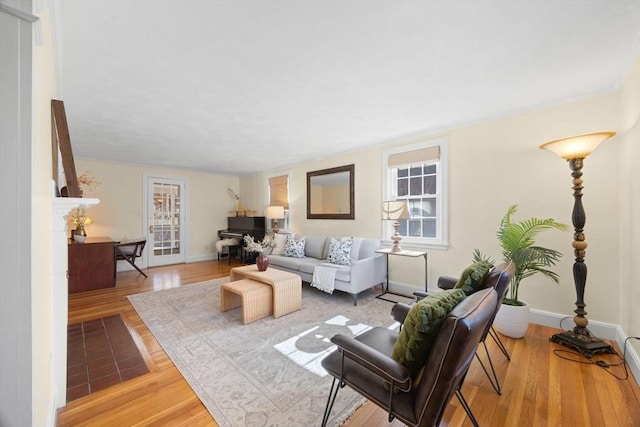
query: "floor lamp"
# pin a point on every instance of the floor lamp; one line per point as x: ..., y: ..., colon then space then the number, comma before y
x: 575, y: 150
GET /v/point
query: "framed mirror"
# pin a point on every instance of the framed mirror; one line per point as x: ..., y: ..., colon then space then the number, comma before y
x: 330, y: 193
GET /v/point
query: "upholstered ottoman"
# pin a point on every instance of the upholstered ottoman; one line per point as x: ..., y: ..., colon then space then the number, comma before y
x: 255, y: 298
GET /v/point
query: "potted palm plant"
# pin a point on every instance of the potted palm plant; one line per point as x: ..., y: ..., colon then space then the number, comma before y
x: 517, y: 240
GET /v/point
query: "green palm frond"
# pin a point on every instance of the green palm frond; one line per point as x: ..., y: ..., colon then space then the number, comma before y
x: 517, y: 240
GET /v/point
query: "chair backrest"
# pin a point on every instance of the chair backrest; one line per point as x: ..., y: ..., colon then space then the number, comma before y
x: 499, y: 279
x: 131, y: 248
x: 451, y: 354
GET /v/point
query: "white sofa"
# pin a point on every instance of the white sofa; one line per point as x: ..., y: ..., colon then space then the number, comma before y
x: 367, y: 268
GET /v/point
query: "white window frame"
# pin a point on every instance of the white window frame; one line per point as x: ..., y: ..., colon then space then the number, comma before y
x: 441, y: 241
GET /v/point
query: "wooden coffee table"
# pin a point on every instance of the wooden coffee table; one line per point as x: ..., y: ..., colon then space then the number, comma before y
x: 287, y: 287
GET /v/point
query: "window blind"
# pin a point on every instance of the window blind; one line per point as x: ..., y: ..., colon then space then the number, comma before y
x: 421, y: 155
x: 279, y: 191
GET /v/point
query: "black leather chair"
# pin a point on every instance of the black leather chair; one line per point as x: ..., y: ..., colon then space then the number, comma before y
x: 364, y: 364
x: 499, y: 279
x: 129, y: 250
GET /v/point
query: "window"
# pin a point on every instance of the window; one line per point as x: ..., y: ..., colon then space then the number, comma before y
x: 417, y: 173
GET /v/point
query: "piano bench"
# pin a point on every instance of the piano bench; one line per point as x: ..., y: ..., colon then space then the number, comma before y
x: 228, y: 244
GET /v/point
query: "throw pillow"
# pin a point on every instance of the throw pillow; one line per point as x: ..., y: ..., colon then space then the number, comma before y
x: 294, y: 248
x: 281, y: 242
x: 420, y: 328
x: 472, y: 278
x: 340, y: 251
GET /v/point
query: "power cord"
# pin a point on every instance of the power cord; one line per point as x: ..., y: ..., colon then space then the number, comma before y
x: 562, y: 320
x: 602, y: 363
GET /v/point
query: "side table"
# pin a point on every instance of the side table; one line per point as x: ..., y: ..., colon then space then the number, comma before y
x: 412, y: 254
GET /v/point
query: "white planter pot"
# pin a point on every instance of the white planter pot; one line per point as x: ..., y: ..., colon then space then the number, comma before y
x: 512, y: 320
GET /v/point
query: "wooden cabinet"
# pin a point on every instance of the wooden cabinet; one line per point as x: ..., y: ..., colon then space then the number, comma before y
x: 91, y: 264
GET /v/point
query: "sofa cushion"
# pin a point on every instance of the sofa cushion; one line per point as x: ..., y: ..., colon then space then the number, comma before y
x: 314, y: 246
x: 294, y: 248
x: 307, y: 265
x: 286, y: 262
x: 281, y: 242
x: 340, y: 251
x: 472, y: 278
x: 420, y: 327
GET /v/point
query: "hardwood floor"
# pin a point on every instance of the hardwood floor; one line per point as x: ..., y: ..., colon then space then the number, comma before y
x: 539, y: 387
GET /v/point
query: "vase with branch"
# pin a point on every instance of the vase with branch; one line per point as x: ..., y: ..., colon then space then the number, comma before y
x: 239, y: 210
x: 259, y: 247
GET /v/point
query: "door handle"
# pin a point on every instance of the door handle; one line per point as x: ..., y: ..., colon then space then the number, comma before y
x: 151, y: 229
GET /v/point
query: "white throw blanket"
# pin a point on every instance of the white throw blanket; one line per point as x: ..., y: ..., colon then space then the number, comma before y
x: 226, y: 242
x: 324, y: 278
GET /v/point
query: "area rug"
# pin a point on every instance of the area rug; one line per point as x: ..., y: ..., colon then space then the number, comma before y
x: 266, y: 373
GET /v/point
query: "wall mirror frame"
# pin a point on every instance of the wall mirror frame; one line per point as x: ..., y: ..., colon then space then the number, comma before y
x: 330, y: 193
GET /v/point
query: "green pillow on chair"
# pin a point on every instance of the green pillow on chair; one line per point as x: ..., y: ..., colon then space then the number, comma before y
x: 420, y: 327
x: 472, y: 278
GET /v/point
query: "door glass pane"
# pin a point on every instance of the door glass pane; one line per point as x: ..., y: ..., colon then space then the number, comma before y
x: 166, y: 219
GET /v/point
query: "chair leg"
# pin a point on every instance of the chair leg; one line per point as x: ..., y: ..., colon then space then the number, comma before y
x: 467, y: 408
x: 493, y: 377
x: 133, y: 263
x: 498, y: 341
x: 335, y: 386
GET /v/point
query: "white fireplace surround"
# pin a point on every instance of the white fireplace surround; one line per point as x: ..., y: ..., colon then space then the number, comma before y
x: 61, y: 207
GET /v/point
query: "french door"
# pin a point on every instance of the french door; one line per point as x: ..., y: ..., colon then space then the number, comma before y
x: 165, y: 220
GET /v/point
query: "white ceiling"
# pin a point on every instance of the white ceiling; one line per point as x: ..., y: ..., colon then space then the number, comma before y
x: 244, y: 86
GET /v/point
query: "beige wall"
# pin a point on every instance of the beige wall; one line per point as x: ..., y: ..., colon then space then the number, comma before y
x: 629, y: 212
x: 119, y: 214
x: 495, y: 164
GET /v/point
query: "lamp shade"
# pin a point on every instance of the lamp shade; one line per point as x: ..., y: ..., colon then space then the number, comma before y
x: 577, y: 147
x: 275, y: 212
x: 395, y: 210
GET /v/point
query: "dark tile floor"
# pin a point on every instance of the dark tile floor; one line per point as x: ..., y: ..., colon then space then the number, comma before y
x: 100, y: 353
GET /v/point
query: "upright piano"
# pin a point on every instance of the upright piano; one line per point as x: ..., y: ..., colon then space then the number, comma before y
x: 240, y: 226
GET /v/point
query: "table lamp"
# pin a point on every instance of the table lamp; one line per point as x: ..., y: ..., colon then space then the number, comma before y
x: 395, y: 210
x: 275, y: 213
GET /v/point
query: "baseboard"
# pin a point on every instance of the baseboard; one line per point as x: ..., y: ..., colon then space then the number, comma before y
x: 553, y: 320
x: 565, y: 322
x: 125, y: 266
x: 204, y: 257
x: 599, y: 329
x: 632, y: 357
x: 406, y: 289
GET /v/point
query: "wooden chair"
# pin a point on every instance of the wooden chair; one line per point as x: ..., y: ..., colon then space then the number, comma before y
x: 129, y: 250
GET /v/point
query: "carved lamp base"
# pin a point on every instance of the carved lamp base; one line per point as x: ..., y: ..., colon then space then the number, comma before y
x: 583, y: 342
